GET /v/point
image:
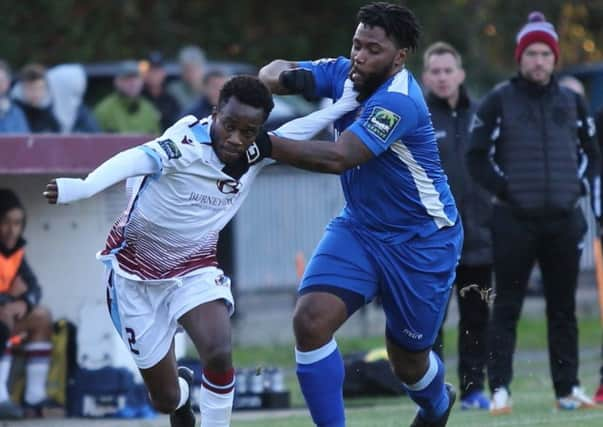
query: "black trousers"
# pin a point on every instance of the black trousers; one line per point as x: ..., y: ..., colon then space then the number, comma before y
x: 473, y: 326
x: 556, y: 244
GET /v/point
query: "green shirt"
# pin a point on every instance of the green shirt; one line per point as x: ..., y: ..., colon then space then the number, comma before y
x: 119, y: 114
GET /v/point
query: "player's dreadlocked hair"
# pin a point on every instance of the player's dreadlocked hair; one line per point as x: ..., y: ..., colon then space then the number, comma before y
x: 248, y: 90
x: 398, y: 22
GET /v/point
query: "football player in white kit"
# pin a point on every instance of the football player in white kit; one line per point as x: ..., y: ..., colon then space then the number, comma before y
x: 162, y: 272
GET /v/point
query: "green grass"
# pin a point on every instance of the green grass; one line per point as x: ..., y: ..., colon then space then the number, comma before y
x: 532, y: 389
x: 531, y: 335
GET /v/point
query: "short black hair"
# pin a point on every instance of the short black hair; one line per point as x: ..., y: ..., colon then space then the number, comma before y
x: 248, y: 90
x: 32, y: 73
x: 399, y: 23
x: 9, y: 200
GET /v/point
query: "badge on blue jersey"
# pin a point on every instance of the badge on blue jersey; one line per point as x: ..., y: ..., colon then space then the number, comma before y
x: 170, y: 148
x: 381, y: 123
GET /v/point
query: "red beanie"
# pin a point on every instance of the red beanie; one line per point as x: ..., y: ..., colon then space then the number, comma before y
x: 537, y: 30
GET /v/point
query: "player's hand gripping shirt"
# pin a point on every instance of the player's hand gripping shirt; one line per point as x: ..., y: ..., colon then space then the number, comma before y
x: 171, y: 225
x: 402, y: 191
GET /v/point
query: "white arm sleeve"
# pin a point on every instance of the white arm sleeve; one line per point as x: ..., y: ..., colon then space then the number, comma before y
x: 132, y: 162
x: 308, y: 126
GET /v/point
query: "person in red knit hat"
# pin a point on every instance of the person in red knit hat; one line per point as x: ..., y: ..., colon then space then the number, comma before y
x: 537, y: 30
x: 540, y: 133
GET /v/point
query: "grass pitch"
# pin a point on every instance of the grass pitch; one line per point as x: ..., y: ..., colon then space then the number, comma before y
x: 533, y: 398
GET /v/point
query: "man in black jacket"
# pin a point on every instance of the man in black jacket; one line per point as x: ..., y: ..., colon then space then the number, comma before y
x: 155, y: 90
x: 451, y: 110
x: 598, y: 397
x: 22, y: 319
x: 529, y: 137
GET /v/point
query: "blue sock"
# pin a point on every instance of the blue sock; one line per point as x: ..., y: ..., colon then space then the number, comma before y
x: 429, y: 392
x: 320, y: 374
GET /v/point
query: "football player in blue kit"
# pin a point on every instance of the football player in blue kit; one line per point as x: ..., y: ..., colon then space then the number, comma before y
x: 399, y: 235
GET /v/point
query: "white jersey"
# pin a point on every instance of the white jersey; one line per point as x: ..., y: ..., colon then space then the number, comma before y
x: 171, y: 225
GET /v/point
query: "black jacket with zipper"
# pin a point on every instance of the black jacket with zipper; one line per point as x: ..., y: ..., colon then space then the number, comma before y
x: 473, y: 202
x: 534, y: 148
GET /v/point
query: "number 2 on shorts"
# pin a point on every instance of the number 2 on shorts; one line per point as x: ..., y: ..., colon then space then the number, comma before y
x: 132, y: 340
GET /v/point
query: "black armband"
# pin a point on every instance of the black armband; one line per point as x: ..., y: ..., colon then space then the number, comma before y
x: 264, y: 144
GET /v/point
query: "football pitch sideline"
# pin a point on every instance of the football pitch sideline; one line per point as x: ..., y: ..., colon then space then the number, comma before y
x: 533, y: 403
x: 532, y: 392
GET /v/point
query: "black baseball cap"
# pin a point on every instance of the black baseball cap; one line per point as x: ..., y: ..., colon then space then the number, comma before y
x: 155, y: 59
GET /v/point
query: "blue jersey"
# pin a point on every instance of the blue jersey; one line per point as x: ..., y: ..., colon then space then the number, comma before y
x: 402, y: 192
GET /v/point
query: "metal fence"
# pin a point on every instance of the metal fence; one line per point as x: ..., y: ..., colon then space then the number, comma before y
x: 282, y: 220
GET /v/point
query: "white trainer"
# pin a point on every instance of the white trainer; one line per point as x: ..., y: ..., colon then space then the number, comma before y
x: 501, y: 402
x: 577, y: 399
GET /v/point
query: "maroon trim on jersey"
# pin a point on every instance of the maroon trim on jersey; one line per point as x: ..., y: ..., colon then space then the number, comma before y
x: 133, y: 263
x: 114, y: 239
x: 148, y: 272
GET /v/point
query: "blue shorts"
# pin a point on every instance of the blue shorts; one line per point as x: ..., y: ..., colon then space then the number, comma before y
x: 413, y: 279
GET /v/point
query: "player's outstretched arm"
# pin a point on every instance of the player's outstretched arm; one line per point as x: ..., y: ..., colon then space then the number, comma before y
x: 132, y: 162
x: 322, y: 156
x: 286, y: 78
x: 270, y: 75
x: 305, y: 128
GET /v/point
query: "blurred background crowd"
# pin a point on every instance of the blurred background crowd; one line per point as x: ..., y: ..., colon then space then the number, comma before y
x: 136, y: 66
x: 161, y: 80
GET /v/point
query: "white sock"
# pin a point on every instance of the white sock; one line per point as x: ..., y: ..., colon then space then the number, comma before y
x: 184, y: 392
x: 36, y: 371
x: 216, y: 408
x: 5, y: 364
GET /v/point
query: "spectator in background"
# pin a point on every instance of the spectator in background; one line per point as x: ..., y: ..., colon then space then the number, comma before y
x: 573, y: 84
x: 212, y: 85
x: 525, y: 143
x: 67, y: 84
x: 599, y: 125
x: 154, y: 90
x: 125, y: 110
x: 189, y: 88
x: 12, y: 119
x: 33, y: 96
x: 576, y: 86
x: 20, y: 312
x: 451, y: 110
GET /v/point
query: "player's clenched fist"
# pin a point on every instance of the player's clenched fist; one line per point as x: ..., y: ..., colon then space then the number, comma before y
x: 52, y: 192
x: 298, y: 80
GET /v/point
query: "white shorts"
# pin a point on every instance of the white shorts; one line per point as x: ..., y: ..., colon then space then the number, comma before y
x: 146, y: 313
